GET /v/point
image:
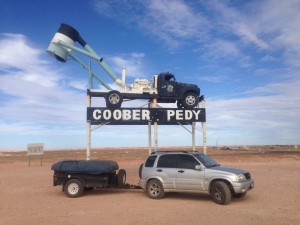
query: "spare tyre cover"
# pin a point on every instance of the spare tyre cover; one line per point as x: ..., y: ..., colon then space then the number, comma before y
x: 86, y: 166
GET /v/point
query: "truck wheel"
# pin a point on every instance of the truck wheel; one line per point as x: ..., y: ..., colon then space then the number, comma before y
x: 221, y: 193
x: 190, y: 100
x: 121, y: 177
x: 73, y: 188
x: 155, y: 189
x: 113, y: 99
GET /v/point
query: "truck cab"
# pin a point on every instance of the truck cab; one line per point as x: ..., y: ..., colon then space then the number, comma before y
x: 170, y: 91
x: 167, y: 85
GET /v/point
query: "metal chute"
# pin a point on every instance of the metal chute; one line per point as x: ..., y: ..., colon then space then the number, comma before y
x: 63, y: 43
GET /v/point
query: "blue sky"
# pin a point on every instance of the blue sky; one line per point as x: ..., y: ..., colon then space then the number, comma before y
x: 244, y: 55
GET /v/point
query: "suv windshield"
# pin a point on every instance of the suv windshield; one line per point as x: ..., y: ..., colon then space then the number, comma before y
x: 206, y: 160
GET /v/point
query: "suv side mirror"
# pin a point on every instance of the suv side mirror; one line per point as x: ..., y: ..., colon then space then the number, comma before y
x: 198, y: 167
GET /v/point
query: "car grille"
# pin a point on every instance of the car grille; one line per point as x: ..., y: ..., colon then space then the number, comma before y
x: 247, y: 175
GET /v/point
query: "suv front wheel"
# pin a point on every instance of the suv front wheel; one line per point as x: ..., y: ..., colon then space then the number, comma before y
x: 220, y: 193
x: 155, y: 189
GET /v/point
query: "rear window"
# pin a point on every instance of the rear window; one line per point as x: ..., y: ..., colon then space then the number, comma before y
x: 150, y: 161
x: 167, y: 161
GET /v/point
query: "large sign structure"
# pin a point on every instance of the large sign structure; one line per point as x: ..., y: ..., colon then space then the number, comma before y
x: 163, y: 88
x: 147, y: 116
x: 142, y: 116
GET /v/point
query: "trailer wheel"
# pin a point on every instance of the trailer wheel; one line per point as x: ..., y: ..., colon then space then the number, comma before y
x: 190, y: 100
x: 113, y: 99
x: 121, y: 177
x: 73, y: 188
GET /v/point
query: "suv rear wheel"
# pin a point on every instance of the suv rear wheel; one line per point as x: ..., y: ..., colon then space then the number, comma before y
x: 155, y: 189
x: 221, y: 193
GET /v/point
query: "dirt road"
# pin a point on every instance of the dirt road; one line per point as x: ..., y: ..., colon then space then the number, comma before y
x: 27, y: 197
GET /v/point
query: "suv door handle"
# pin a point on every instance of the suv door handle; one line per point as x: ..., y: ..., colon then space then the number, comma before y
x: 180, y: 171
x: 159, y: 170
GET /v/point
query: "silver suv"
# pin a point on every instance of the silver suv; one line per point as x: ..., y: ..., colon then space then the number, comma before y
x: 192, y: 172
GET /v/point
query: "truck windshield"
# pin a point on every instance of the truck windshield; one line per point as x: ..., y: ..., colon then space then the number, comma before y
x: 206, y: 160
x: 169, y: 77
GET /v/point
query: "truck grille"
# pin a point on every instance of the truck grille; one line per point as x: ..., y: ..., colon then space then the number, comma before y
x: 247, y: 175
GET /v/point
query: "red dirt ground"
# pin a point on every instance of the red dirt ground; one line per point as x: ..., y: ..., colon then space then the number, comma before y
x: 27, y: 195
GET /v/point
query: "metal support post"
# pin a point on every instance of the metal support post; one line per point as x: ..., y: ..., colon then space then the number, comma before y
x: 204, y: 131
x: 123, y: 87
x: 193, y: 136
x: 154, y: 101
x: 149, y: 138
x: 155, y: 137
x: 91, y: 85
x: 88, y: 128
x: 149, y: 133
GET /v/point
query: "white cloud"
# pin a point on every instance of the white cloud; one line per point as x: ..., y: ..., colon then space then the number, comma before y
x: 269, y: 58
x: 229, y: 19
x: 269, y: 25
x: 270, y: 116
x: 174, y: 21
x: 133, y: 62
x: 223, y: 49
x: 23, y: 62
x: 278, y: 22
x: 16, y: 53
x: 32, y: 89
x: 214, y: 78
x: 259, y: 26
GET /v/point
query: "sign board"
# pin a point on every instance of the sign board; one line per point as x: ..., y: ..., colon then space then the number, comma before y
x: 35, y: 149
x: 141, y: 116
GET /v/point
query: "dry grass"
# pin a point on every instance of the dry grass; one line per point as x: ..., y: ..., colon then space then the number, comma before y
x: 256, y: 153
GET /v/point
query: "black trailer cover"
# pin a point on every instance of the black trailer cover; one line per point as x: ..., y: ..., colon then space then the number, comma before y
x: 86, y: 166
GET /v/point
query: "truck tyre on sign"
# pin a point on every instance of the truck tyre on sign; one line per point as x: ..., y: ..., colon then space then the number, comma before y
x: 190, y: 100
x: 113, y: 99
x: 73, y: 188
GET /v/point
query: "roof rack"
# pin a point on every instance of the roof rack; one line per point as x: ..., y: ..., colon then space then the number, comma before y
x: 183, y: 151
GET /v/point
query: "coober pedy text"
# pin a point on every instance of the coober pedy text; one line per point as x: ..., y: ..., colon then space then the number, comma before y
x: 104, y: 114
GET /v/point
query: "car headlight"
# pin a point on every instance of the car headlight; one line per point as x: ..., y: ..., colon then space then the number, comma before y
x: 240, y: 177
